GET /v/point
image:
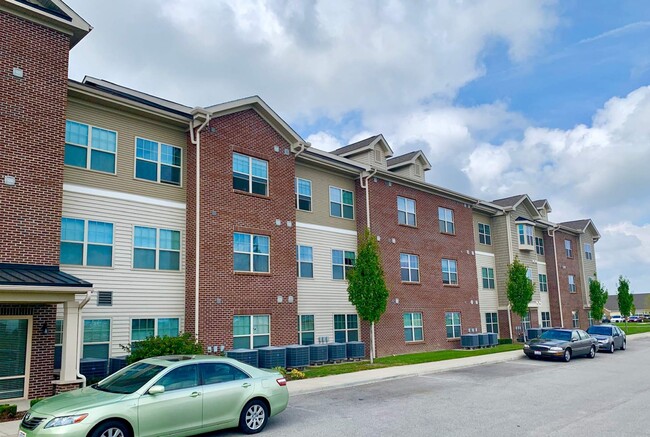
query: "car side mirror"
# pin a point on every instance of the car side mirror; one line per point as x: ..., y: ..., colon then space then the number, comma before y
x: 156, y: 390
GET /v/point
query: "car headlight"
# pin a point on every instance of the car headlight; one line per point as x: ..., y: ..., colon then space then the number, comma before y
x: 66, y: 420
x: 526, y: 346
x: 556, y: 349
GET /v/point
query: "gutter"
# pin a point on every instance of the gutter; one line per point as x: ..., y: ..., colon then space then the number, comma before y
x: 195, y: 138
x: 79, y: 342
x: 551, y: 233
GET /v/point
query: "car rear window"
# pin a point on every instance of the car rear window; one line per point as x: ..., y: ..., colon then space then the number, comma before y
x: 556, y: 335
x: 600, y: 330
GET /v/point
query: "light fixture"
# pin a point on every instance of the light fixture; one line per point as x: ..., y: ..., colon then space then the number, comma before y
x: 279, y: 299
x: 44, y: 329
x: 9, y: 181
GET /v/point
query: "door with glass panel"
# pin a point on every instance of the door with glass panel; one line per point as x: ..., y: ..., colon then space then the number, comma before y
x: 14, y: 335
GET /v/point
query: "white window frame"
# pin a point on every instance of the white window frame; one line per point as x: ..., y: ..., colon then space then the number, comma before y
x: 446, y: 221
x: 451, y: 273
x: 486, y: 235
x: 298, y: 195
x: 410, y: 267
x: 454, y: 327
x: 543, y: 284
x: 156, y: 327
x: 408, y: 211
x: 158, y: 163
x: 575, y: 319
x: 347, y: 329
x: 413, y: 327
x: 157, y: 250
x: 345, y: 266
x: 492, y: 322
x: 526, y: 235
x: 89, y: 148
x: 572, y: 283
x: 252, y: 254
x: 487, y: 274
x: 341, y: 203
x: 252, y: 327
x: 588, y: 253
x: 85, y: 243
x: 539, y: 246
x: 250, y: 160
x: 93, y: 343
x: 302, y: 331
x: 546, y: 323
x: 568, y: 250
x: 300, y: 261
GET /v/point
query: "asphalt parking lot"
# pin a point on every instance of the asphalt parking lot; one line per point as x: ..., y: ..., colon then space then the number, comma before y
x: 608, y: 395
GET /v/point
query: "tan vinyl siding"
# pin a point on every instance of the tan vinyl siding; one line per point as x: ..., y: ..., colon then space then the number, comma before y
x: 502, y: 255
x: 136, y: 293
x: 588, y: 265
x: 321, y: 295
x: 488, y: 298
x: 408, y: 171
x: 128, y: 127
x: 321, y: 180
x: 527, y: 257
x: 543, y: 297
x: 486, y: 220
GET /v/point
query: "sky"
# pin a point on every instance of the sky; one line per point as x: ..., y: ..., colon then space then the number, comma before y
x: 548, y: 98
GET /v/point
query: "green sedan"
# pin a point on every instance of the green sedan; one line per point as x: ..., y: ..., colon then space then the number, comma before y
x: 164, y: 396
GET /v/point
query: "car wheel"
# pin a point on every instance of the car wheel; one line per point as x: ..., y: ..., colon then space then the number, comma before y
x: 254, y: 417
x: 567, y: 355
x: 624, y: 345
x: 592, y: 352
x: 111, y: 429
x: 611, y: 348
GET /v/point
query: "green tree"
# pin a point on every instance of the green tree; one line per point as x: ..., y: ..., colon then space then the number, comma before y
x: 598, y: 296
x: 520, y: 290
x: 625, y: 298
x: 367, y: 289
x: 184, y: 344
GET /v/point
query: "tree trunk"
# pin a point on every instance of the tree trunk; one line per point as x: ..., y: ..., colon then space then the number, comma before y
x: 372, y: 342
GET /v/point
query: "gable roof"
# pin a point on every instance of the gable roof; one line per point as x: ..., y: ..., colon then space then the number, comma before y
x: 641, y: 302
x: 581, y: 226
x: 408, y: 158
x: 365, y: 144
x: 542, y: 203
x: 511, y: 201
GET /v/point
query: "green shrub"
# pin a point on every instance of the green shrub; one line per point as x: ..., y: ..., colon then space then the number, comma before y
x: 281, y: 370
x: 8, y: 410
x: 505, y: 341
x: 35, y: 401
x: 159, y: 346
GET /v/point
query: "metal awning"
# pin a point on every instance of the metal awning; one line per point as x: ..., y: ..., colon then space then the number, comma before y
x: 29, y: 275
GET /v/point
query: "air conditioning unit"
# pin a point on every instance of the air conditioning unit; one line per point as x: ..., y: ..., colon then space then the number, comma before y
x: 355, y: 349
x: 93, y: 368
x: 246, y: 356
x: 546, y: 329
x: 297, y: 356
x: 484, y: 340
x: 115, y: 364
x: 317, y: 353
x: 533, y: 332
x: 336, y: 352
x: 272, y: 356
x: 494, y: 338
x: 469, y: 341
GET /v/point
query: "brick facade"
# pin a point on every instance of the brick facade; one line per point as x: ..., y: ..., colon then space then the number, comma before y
x: 429, y: 296
x: 224, y: 293
x: 32, y: 135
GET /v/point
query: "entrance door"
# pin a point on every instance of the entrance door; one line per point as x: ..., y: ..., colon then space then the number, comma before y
x: 13, y: 350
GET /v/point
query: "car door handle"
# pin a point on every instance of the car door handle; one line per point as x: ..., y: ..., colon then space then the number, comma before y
x: 195, y: 394
x: 246, y: 385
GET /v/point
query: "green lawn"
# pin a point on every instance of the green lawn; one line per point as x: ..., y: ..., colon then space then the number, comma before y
x: 634, y: 328
x: 403, y: 360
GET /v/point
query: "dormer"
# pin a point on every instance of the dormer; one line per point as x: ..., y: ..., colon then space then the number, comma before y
x: 373, y: 151
x: 411, y: 165
x: 543, y: 207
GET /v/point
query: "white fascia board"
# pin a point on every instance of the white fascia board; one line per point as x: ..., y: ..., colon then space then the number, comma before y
x: 325, y: 228
x: 81, y: 189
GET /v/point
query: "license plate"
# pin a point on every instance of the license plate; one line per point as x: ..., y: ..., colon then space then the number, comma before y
x: 538, y: 353
x: 22, y: 434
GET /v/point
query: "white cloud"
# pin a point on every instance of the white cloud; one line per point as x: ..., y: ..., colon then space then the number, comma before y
x: 324, y: 141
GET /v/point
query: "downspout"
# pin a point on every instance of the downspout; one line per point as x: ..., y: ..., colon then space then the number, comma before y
x: 195, y: 138
x: 79, y: 342
x: 509, y: 231
x: 364, y: 185
x: 557, y: 275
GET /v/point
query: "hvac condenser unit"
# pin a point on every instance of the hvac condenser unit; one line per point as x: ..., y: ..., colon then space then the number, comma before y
x: 337, y: 351
x: 297, y: 356
x: 484, y: 340
x: 115, y: 364
x: 246, y: 356
x: 469, y: 340
x: 93, y: 368
x: 272, y: 356
x: 317, y: 353
x: 355, y: 349
x: 494, y: 338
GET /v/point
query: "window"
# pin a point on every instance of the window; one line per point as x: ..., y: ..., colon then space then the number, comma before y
x: 142, y: 328
x: 168, y: 327
x: 488, y: 277
x: 341, y: 203
x: 377, y: 155
x: 525, y: 235
x: 250, y: 332
x: 484, y: 234
x: 250, y: 174
x: 157, y: 162
x: 413, y: 327
x: 409, y: 267
x: 526, y: 321
x: 95, y: 151
x: 180, y: 378
x: 590, y: 318
x: 529, y: 273
x: 346, y: 328
x: 86, y: 243
x: 97, y: 335
x: 251, y: 253
x: 452, y: 323
x: 492, y: 322
x: 406, y: 211
x: 446, y: 220
x: 305, y: 261
x: 449, y: 272
x: 342, y: 262
x: 303, y: 194
x: 539, y: 246
x: 567, y: 249
x: 575, y: 317
x: 156, y: 248
x: 588, y: 253
x: 546, y: 319
x: 418, y: 170
x: 543, y: 282
x: 306, y: 329
x: 215, y: 373
x: 58, y: 343
x: 572, y: 284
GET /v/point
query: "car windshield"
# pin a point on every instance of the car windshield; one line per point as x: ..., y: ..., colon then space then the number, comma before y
x: 556, y: 335
x: 599, y: 330
x: 129, y: 379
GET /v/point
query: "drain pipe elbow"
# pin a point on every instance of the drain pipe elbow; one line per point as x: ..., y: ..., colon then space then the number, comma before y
x: 82, y: 304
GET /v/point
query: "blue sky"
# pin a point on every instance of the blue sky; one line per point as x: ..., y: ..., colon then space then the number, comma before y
x: 544, y: 97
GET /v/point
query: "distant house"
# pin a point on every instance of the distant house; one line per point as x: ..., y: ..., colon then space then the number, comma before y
x: 641, y: 304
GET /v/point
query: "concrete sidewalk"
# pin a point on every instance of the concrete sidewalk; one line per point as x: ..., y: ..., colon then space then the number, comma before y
x: 315, y: 385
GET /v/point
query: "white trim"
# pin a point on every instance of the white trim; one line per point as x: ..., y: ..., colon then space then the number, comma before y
x: 541, y: 262
x: 325, y: 228
x: 478, y: 252
x: 49, y: 289
x: 122, y: 196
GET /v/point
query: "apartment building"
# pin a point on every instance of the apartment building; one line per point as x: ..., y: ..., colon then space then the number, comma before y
x: 128, y: 215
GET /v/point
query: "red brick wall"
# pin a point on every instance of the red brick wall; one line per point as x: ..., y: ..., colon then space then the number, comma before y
x: 42, y: 357
x: 32, y: 136
x: 430, y: 296
x: 224, y: 211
